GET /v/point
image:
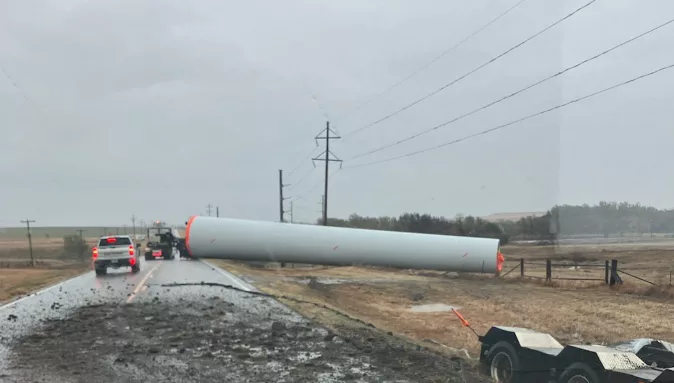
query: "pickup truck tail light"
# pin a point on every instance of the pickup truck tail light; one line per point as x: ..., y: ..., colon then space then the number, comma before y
x: 94, y: 253
x: 132, y: 251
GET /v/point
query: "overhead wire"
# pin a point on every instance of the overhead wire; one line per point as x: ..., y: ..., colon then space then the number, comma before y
x: 436, y: 127
x: 430, y: 63
x: 484, y: 132
x: 429, y: 95
x: 321, y: 182
x: 304, y: 159
x: 302, y: 179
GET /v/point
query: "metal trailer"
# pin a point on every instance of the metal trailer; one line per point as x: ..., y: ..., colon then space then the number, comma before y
x: 520, y: 355
x: 246, y: 240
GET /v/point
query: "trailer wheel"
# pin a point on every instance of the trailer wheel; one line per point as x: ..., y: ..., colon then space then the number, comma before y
x: 504, y: 363
x: 579, y: 373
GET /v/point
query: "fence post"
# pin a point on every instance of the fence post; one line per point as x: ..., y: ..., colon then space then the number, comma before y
x: 548, y: 270
x: 615, y: 278
x: 607, y: 270
x: 522, y: 269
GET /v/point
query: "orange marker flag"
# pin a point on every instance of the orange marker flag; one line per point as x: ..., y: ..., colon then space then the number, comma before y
x: 463, y: 320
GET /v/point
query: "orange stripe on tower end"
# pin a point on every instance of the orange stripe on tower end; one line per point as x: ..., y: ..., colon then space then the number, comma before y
x: 187, y: 234
x: 500, y: 259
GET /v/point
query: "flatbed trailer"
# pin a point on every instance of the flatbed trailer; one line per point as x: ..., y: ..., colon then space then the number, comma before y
x: 521, y: 355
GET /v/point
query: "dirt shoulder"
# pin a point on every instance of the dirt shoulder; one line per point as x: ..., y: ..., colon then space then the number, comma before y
x: 15, y: 282
x: 385, y: 298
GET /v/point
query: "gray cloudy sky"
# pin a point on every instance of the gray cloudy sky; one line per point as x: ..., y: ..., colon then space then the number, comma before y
x: 159, y: 107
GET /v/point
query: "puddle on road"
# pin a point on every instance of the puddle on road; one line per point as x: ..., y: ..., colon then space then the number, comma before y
x: 433, y: 308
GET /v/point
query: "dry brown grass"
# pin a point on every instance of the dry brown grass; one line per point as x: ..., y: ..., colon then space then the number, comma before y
x: 17, y: 277
x: 16, y: 282
x: 48, y: 254
x: 571, y: 311
x: 652, y: 262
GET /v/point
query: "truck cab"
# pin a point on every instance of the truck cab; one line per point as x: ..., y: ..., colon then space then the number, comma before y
x: 161, y: 243
x: 115, y: 251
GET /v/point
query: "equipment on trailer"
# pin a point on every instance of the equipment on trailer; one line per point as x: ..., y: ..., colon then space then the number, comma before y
x: 521, y: 355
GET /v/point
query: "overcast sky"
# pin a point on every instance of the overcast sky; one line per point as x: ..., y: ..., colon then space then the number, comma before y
x: 157, y: 108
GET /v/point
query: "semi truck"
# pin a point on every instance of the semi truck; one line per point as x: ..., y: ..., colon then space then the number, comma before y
x: 162, y: 242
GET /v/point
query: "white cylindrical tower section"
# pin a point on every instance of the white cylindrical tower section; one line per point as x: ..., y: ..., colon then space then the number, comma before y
x: 209, y: 237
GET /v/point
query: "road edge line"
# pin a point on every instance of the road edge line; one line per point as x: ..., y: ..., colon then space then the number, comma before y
x: 43, y: 290
x: 241, y: 284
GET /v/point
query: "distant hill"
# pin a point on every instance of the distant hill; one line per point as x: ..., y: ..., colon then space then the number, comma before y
x: 512, y: 216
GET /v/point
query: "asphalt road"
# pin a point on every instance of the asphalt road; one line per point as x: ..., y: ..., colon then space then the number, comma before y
x: 129, y: 328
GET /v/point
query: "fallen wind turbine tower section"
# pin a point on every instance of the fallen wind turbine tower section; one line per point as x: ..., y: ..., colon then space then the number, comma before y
x: 246, y: 240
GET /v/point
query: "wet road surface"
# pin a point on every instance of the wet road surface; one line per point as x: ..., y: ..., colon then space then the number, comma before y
x: 129, y: 328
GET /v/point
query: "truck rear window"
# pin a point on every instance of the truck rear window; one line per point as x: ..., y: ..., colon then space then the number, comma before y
x: 114, y: 241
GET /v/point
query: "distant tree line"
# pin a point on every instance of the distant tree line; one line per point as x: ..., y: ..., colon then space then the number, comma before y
x: 604, y: 219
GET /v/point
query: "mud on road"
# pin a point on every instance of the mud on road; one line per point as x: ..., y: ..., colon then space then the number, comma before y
x: 213, y: 340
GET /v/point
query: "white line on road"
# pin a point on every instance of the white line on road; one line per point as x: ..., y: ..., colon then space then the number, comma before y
x: 142, y: 283
x: 238, y: 282
x: 10, y: 304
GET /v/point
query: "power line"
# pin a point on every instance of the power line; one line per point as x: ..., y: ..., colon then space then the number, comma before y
x: 30, y: 240
x: 16, y: 85
x: 429, y: 95
x: 302, y: 179
x: 316, y: 185
x: 515, y: 121
x: 281, y: 185
x: 327, y: 161
x: 416, y: 135
x: 304, y: 160
x: 427, y: 65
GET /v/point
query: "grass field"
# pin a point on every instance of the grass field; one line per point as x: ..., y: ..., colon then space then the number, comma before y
x: 17, y: 277
x: 653, y: 262
x: 571, y: 311
x: 57, y: 233
x: 17, y: 282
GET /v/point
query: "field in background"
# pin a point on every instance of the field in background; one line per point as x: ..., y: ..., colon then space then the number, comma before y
x: 57, y: 233
x: 17, y: 282
x: 53, y: 264
x: 652, y: 262
x: 571, y: 311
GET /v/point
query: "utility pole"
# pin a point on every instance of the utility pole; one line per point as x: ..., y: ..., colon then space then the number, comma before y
x: 281, y: 185
x: 133, y: 222
x: 208, y: 209
x: 291, y: 212
x: 327, y: 160
x: 322, y: 203
x: 217, y: 211
x: 30, y: 240
x: 82, y: 243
